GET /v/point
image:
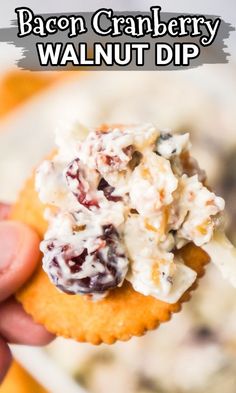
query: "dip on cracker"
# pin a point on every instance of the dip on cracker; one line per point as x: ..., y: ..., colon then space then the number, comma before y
x: 121, y: 200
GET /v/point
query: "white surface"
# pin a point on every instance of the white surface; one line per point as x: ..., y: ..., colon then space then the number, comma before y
x: 52, y: 377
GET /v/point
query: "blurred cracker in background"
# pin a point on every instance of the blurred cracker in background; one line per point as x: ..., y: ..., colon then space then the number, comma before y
x: 19, y: 381
x: 16, y: 87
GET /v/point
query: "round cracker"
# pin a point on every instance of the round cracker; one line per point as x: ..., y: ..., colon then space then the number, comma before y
x: 122, y: 314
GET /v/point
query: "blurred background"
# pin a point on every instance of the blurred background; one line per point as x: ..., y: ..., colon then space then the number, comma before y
x: 196, y: 351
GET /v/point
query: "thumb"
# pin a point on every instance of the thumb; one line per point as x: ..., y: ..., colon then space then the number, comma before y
x: 19, y: 254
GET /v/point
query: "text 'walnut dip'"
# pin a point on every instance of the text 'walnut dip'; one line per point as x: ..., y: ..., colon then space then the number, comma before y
x: 122, y: 200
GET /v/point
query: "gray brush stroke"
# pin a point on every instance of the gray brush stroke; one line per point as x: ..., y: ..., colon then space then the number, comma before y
x: 213, y: 54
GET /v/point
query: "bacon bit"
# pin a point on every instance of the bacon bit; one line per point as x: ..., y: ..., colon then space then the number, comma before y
x: 101, y: 244
x: 210, y: 202
x: 172, y: 269
x: 78, y: 228
x: 110, y: 161
x: 162, y: 229
x: 135, y: 160
x: 203, y: 227
x: 133, y: 211
x: 104, y: 128
x: 149, y: 226
x: 191, y: 196
x: 165, y: 218
x: 166, y: 215
x: 162, y: 194
x: 115, y: 160
x: 145, y: 173
x: 128, y: 150
x: 155, y: 274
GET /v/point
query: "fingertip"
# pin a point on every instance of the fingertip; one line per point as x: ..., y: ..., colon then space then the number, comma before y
x: 5, y: 359
x: 41, y: 337
x: 17, y: 327
x: 19, y: 254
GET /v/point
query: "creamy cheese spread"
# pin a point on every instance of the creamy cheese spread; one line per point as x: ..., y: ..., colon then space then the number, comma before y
x: 121, y: 200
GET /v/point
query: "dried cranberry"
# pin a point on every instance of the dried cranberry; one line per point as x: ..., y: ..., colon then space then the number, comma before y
x: 114, y: 162
x: 105, y: 268
x: 76, y: 173
x: 108, y: 190
x: 50, y: 246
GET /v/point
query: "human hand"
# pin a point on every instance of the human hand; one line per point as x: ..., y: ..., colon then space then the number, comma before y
x: 19, y: 253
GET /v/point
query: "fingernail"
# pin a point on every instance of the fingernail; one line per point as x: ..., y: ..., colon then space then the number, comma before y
x: 9, y: 244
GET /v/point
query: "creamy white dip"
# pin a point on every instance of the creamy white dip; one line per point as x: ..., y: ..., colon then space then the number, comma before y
x: 122, y: 199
